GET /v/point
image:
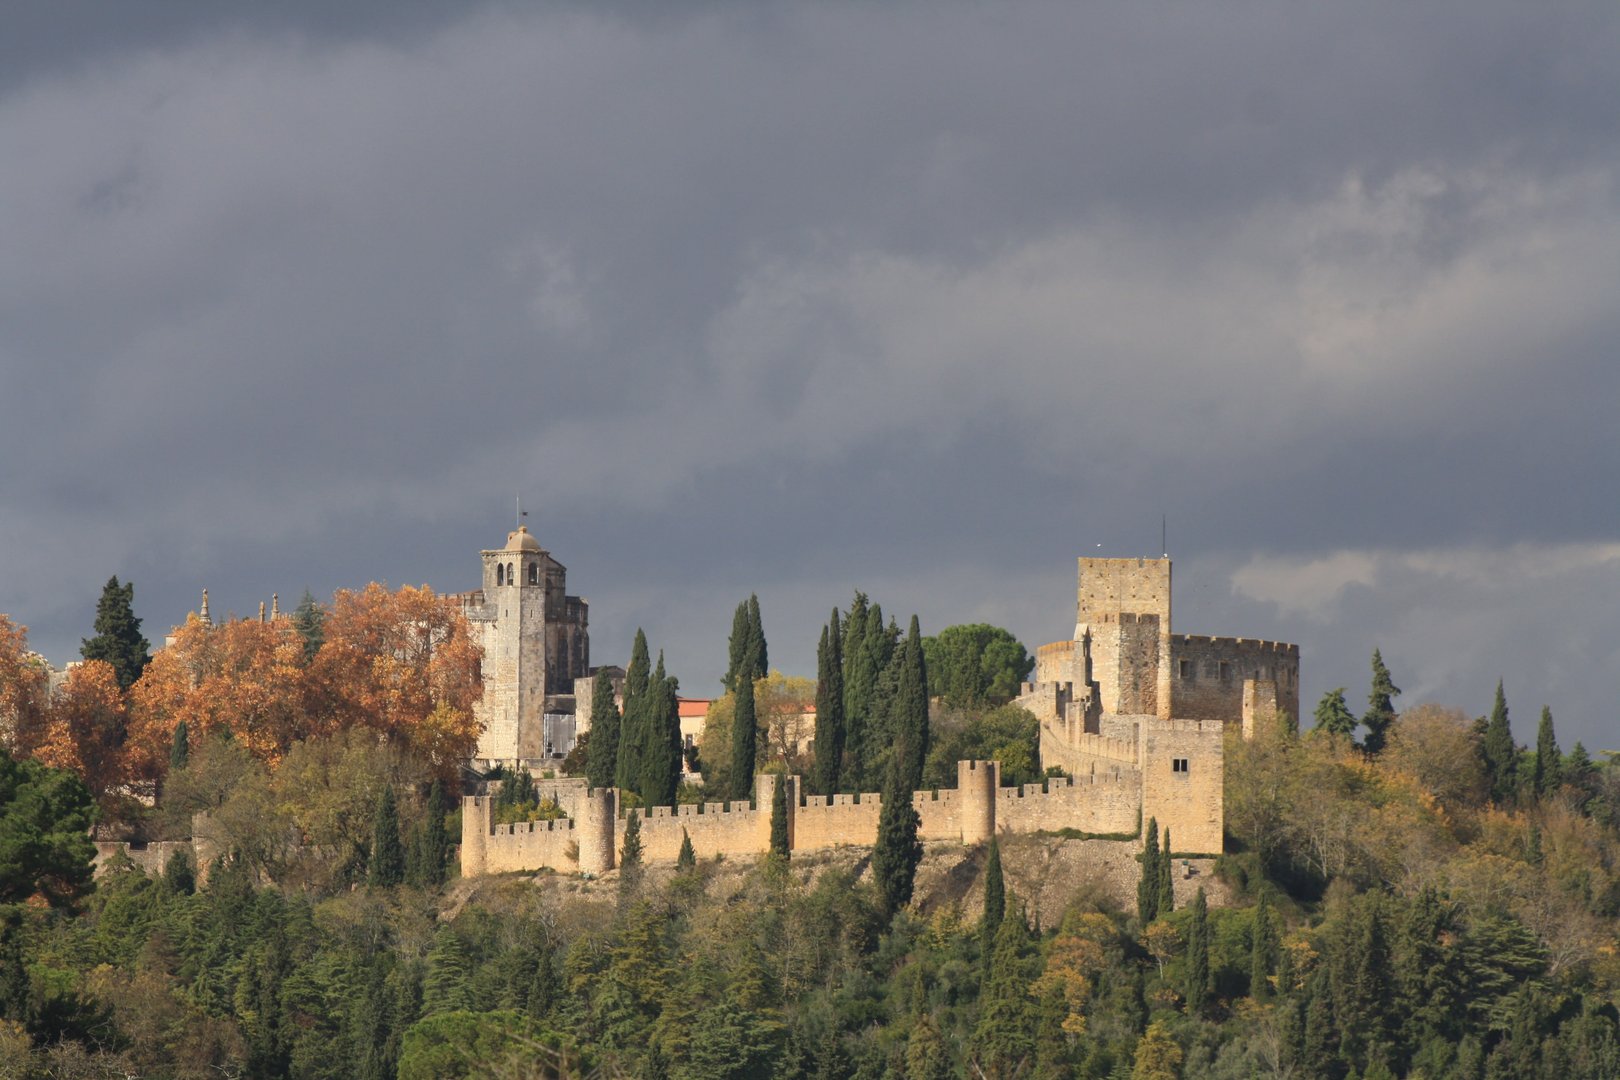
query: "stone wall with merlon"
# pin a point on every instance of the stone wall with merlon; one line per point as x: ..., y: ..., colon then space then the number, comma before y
x: 1101, y: 804
x: 838, y: 821
x: 1185, y: 797
x: 1207, y: 675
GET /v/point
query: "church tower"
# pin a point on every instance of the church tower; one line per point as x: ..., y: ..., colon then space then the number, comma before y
x: 536, y: 642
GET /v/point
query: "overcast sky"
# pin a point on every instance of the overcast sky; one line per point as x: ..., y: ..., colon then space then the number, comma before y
x: 924, y: 299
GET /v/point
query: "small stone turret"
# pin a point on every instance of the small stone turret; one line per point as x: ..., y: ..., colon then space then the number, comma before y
x: 475, y: 825
x: 976, y: 785
x: 598, y: 817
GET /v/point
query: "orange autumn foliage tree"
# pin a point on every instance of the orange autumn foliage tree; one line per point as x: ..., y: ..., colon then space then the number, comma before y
x: 24, y: 688
x: 245, y: 677
x: 404, y: 663
x: 86, y: 727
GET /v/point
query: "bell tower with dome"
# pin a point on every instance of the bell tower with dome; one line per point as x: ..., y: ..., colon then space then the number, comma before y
x: 536, y: 643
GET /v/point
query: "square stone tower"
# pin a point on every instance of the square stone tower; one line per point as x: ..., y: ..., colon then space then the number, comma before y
x: 536, y: 642
x: 1125, y: 605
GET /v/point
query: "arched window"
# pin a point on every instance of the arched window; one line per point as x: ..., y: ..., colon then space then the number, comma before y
x: 500, y: 574
x: 534, y: 573
x: 509, y: 575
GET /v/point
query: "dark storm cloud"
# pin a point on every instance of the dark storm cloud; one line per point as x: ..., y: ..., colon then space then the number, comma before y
x: 922, y: 299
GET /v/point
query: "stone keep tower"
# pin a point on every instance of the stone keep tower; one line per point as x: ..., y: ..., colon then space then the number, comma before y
x: 1124, y: 604
x: 536, y: 643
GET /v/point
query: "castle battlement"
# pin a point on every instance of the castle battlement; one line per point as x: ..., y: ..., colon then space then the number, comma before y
x: 1283, y: 648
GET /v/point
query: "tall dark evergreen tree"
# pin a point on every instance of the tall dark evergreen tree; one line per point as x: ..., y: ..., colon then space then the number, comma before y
x: 908, y: 713
x: 898, y: 849
x: 603, y: 748
x: 180, y: 747
x: 856, y: 688
x: 1147, y: 886
x: 744, y: 740
x: 309, y: 619
x: 444, y: 988
x: 1264, y: 946
x: 660, y: 754
x: 1003, y: 1042
x: 1380, y: 706
x: 429, y: 855
x: 118, y: 638
x: 1195, y: 987
x: 829, y: 708
x: 1333, y: 716
x: 630, y: 863
x: 738, y: 643
x: 632, y: 733
x: 387, y: 853
x: 868, y: 735
x: 1167, y: 886
x: 995, y: 901
x: 758, y: 655
x: 687, y: 858
x: 1549, y: 761
x: 779, y: 817
x: 1500, y: 753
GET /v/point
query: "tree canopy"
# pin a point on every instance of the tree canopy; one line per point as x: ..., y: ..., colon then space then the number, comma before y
x: 976, y: 664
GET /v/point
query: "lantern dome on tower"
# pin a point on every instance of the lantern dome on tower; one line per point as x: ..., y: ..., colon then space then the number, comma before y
x: 521, y: 540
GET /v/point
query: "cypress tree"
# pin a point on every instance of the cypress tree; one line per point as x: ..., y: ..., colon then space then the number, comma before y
x: 857, y: 682
x: 1549, y: 761
x: 1501, y: 756
x: 779, y: 818
x: 909, y: 709
x: 758, y: 656
x: 1167, y: 885
x: 1196, y: 986
x: 180, y: 748
x: 877, y: 647
x: 898, y: 849
x: 1147, y: 886
x: 1333, y: 716
x: 387, y: 854
x: 829, y: 708
x: 118, y: 638
x: 179, y: 875
x: 744, y: 740
x: 1004, y: 1039
x: 630, y: 856
x: 995, y: 901
x: 1263, y: 949
x: 687, y: 859
x: 661, y: 753
x: 1380, y: 706
x: 430, y: 850
x: 309, y: 619
x: 603, y: 749
x: 738, y: 646
x: 632, y: 734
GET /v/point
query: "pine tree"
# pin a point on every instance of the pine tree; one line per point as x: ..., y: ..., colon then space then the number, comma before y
x: 118, y: 638
x: 309, y: 619
x: 1167, y: 884
x: 1263, y: 949
x: 180, y: 748
x: 387, y: 854
x: 444, y: 988
x: 603, y: 748
x: 744, y: 740
x: 687, y: 859
x: 1549, y: 761
x: 908, y: 724
x: 1380, y: 706
x: 829, y: 708
x: 632, y: 733
x: 630, y: 866
x: 1333, y: 716
x: 1147, y: 886
x: 1195, y: 987
x: 1501, y: 756
x: 779, y: 817
x: 898, y: 849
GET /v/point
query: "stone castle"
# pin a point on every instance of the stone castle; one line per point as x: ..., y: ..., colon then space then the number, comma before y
x: 537, y: 642
x: 1134, y: 714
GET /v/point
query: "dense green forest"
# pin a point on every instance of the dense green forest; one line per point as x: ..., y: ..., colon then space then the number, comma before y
x: 1412, y: 894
